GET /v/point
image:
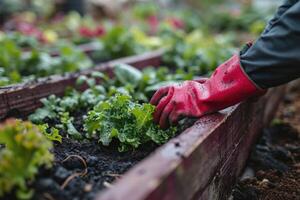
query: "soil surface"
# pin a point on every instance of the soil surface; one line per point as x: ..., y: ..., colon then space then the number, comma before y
x: 81, y: 169
x: 273, y: 171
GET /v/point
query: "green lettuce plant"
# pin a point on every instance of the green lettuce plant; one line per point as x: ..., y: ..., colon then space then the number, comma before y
x: 23, y: 150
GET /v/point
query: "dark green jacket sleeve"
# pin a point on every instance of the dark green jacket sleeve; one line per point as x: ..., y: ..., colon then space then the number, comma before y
x: 274, y: 59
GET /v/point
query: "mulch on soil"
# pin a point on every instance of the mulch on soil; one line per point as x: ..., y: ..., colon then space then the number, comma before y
x: 275, y: 160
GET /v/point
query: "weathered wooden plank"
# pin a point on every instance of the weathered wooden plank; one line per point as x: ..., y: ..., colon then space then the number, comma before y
x: 233, y: 163
x: 202, y: 162
x: 21, y: 99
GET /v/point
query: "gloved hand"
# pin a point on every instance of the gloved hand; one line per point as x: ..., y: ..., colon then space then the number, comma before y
x: 227, y: 86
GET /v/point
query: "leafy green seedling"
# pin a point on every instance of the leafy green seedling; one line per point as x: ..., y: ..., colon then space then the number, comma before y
x: 51, y: 133
x: 127, y: 74
x: 130, y: 122
x: 25, y: 149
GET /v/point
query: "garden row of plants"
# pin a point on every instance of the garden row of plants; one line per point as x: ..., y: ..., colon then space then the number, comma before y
x: 77, y: 144
x: 115, y: 111
x: 79, y: 28
x: 17, y: 66
x: 219, y: 17
x: 82, y: 29
x: 39, y: 38
x: 143, y: 30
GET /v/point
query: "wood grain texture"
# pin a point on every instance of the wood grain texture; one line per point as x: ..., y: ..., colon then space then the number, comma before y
x: 21, y: 99
x: 204, y: 161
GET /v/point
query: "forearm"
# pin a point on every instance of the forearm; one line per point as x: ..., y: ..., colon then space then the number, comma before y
x: 280, y: 11
x: 274, y: 58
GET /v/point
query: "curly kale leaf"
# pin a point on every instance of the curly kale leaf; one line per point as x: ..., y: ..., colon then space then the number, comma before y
x: 129, y: 122
x: 51, y: 133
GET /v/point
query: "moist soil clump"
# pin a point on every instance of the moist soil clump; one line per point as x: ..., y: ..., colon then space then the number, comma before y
x: 81, y: 169
x: 275, y: 160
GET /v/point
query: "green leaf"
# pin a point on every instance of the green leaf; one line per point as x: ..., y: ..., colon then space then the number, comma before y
x: 81, y: 80
x: 143, y: 115
x: 72, y: 131
x: 128, y: 121
x: 25, y: 149
x: 52, y: 135
x: 20, y: 67
x: 100, y: 75
x: 66, y: 120
x: 26, y: 194
x: 70, y: 103
x: 127, y: 74
x: 48, y: 111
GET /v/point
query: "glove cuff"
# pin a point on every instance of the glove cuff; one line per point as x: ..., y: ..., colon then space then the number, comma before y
x: 227, y: 86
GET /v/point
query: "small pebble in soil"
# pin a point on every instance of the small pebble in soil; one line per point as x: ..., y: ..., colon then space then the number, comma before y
x: 61, y: 174
x: 102, y: 164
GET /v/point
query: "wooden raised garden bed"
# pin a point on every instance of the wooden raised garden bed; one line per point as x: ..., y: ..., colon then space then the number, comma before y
x: 21, y: 99
x: 202, y: 162
x: 87, y: 48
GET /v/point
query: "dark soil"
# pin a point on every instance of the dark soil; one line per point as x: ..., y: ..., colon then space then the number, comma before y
x: 275, y: 160
x: 82, y: 168
x: 89, y: 167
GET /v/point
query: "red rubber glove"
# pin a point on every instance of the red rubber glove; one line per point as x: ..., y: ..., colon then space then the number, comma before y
x: 227, y: 86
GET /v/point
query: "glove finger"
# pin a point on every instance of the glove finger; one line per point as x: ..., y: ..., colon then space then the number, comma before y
x: 161, y: 105
x: 201, y: 80
x: 164, y: 118
x: 176, y: 116
x: 159, y: 94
